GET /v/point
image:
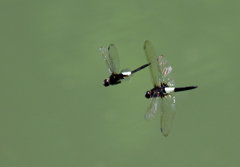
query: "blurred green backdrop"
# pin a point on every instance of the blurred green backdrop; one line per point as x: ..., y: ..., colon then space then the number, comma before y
x: 54, y: 110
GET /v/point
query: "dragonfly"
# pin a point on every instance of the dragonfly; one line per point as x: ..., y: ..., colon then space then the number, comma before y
x: 162, y: 99
x: 111, y: 58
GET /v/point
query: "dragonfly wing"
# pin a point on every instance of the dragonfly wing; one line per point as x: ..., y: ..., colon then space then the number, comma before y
x: 110, y: 56
x: 155, y: 106
x: 167, y: 113
x: 152, y: 58
x: 165, y: 71
x: 114, y: 59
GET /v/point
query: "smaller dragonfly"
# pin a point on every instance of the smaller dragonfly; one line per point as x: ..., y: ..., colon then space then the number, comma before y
x: 161, y: 98
x: 111, y: 58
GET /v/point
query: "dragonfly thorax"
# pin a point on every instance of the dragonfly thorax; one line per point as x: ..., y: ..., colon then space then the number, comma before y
x: 157, y: 91
x: 114, y: 79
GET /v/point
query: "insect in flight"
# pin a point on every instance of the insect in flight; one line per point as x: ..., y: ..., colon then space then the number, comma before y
x: 161, y: 98
x: 111, y: 58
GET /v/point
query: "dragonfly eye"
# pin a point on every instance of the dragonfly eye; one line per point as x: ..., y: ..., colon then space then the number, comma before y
x: 148, y: 94
x: 106, y: 82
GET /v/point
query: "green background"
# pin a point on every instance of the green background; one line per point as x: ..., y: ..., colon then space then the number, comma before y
x: 54, y: 110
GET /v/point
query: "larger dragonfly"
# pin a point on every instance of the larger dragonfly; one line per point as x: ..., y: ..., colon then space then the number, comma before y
x: 111, y: 58
x: 161, y: 98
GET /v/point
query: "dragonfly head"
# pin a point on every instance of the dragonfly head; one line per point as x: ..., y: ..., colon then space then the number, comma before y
x: 106, y: 82
x: 148, y: 94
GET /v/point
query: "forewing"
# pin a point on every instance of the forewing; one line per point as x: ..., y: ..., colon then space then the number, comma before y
x: 110, y: 56
x: 167, y: 113
x: 113, y: 58
x: 152, y: 58
x: 166, y: 71
x: 155, y: 106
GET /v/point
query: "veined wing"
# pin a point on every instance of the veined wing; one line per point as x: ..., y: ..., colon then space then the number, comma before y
x: 155, y: 106
x: 167, y: 113
x: 111, y: 58
x: 114, y: 59
x: 165, y: 70
x: 152, y: 58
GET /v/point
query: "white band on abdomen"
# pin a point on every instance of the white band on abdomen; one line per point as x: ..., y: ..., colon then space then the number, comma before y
x: 126, y: 73
x: 169, y: 89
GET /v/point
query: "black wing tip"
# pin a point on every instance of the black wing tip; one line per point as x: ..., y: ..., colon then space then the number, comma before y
x: 163, y: 133
x: 144, y: 47
x: 110, y: 46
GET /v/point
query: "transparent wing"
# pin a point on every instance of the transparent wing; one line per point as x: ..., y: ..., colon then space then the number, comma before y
x: 165, y: 70
x: 114, y: 59
x: 167, y: 113
x: 152, y: 58
x: 111, y: 58
x: 155, y: 106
